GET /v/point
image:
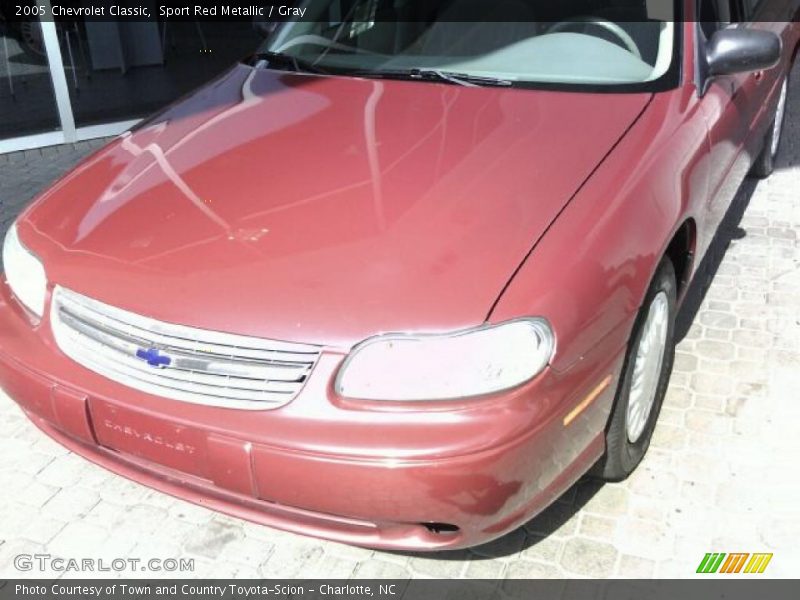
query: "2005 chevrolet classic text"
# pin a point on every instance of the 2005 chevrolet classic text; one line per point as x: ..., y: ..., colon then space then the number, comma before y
x: 403, y: 276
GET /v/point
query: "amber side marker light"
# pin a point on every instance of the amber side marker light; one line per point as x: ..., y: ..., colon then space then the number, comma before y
x: 588, y: 400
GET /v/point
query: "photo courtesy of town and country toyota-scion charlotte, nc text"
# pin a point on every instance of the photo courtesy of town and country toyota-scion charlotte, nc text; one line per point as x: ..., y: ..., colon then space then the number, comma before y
x: 171, y: 10
x: 194, y: 590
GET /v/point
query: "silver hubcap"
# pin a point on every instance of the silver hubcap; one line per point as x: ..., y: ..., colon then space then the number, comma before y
x: 777, y: 126
x: 647, y: 366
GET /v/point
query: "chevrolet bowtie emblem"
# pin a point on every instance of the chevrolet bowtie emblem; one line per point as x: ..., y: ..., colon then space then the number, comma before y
x: 153, y: 357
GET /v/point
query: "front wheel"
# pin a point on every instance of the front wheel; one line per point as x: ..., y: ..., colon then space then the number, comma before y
x: 644, y: 379
x: 765, y: 163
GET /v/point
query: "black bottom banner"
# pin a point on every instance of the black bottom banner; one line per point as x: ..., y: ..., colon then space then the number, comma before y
x: 433, y: 589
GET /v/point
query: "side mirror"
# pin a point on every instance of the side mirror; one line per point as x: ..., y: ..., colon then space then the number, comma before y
x: 731, y: 51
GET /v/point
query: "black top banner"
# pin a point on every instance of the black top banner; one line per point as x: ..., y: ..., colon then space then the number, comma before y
x: 374, y: 11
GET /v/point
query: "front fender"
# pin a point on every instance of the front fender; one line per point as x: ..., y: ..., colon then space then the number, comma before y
x: 589, y: 273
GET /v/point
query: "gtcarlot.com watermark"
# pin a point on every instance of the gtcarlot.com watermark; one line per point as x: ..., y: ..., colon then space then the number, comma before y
x: 48, y: 562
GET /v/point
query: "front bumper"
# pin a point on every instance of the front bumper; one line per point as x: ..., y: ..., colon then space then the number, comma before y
x: 369, y: 474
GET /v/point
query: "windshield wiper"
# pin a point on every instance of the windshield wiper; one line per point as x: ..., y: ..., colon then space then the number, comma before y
x: 297, y: 64
x: 465, y: 79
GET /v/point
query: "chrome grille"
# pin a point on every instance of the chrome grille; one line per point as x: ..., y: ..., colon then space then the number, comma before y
x: 179, y: 362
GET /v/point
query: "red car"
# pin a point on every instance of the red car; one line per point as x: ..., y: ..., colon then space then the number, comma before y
x: 405, y: 275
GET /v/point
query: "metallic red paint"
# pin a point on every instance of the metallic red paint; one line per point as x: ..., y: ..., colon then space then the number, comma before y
x: 485, y: 466
x: 327, y: 210
x: 337, y: 192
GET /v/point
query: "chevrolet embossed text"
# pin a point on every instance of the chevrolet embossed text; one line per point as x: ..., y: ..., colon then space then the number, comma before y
x: 144, y: 436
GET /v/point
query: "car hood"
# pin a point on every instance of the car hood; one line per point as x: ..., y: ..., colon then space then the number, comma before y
x: 324, y: 209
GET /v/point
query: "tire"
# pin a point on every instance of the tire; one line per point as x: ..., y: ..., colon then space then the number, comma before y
x: 764, y: 165
x: 29, y: 37
x: 627, y: 439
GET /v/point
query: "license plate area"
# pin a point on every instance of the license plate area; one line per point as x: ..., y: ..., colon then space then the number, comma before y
x: 150, y: 438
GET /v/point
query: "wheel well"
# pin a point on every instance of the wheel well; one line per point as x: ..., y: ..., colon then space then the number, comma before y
x: 681, y: 252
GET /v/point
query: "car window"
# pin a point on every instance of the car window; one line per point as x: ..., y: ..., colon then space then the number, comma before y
x: 715, y: 15
x: 521, y: 41
x: 751, y: 7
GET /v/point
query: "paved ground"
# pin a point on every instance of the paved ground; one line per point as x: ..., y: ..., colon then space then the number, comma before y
x: 721, y: 474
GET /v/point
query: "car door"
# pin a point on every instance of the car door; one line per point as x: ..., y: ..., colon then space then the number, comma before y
x: 764, y: 86
x: 732, y: 105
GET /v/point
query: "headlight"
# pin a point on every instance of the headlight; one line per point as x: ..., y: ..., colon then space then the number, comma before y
x: 441, y: 367
x: 24, y: 272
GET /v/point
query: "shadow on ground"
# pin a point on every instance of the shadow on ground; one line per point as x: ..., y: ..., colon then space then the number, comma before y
x: 728, y: 233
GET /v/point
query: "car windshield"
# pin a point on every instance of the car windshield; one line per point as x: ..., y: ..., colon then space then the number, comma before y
x: 483, y: 42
